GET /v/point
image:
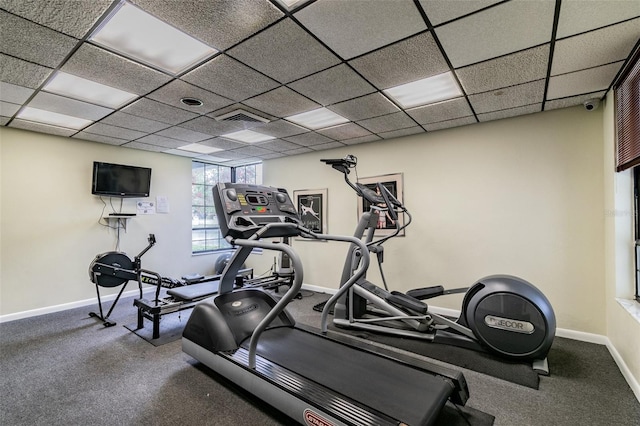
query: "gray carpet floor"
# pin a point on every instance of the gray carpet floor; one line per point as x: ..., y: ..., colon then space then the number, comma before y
x: 65, y: 368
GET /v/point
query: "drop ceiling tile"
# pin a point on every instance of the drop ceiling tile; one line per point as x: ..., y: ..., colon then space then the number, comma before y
x: 253, y: 151
x: 336, y: 84
x: 577, y: 16
x: 32, y: 42
x: 41, y: 128
x: 502, y: 29
x: 212, y: 127
x: 183, y: 153
x: 114, y: 131
x: 182, y: 134
x: 585, y: 81
x: 362, y: 139
x: 68, y: 106
x: 439, y: 11
x: 308, y: 139
x: 13, y: 93
x: 272, y: 156
x: 345, y: 131
x: 231, y: 155
x: 133, y: 122
x: 22, y: 73
x: 401, y: 132
x: 572, y: 101
x: 64, y: 16
x: 101, y: 66
x: 325, y: 146
x: 220, y: 23
x: 279, y: 145
x: 513, y: 112
x: 463, y: 121
x: 222, y: 143
x: 354, y: 27
x: 517, y: 68
x: 281, y: 129
x: 298, y: 151
x: 162, y: 142
x: 212, y: 158
x: 4, y: 120
x: 610, y: 44
x: 388, y: 123
x: 153, y: 110
x: 144, y: 146
x: 281, y: 102
x: 364, y: 107
x: 284, y: 52
x: 509, y: 97
x: 441, y: 111
x: 229, y: 78
x: 171, y: 94
x: 7, y: 109
x: 99, y: 138
x: 409, y: 60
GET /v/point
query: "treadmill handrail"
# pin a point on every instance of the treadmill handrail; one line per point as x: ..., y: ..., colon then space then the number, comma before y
x: 297, y: 274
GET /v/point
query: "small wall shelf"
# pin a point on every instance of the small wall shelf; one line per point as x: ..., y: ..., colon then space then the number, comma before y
x: 121, y: 220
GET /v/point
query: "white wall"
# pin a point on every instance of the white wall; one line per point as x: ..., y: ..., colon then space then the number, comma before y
x: 521, y: 196
x: 49, y: 227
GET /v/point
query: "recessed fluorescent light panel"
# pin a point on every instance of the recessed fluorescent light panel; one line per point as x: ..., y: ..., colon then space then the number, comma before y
x: 52, y: 118
x: 199, y: 148
x: 136, y: 34
x: 292, y: 4
x: 318, y: 119
x: 248, y: 136
x: 426, y: 91
x: 86, y: 90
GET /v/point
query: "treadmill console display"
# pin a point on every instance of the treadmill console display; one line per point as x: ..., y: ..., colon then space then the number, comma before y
x: 243, y: 209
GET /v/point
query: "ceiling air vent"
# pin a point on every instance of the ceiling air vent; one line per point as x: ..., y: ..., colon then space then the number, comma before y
x: 241, y: 115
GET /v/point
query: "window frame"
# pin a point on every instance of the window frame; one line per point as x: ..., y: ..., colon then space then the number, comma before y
x: 203, y: 207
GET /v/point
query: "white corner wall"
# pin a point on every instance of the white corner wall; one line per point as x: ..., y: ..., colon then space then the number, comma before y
x: 521, y: 196
x: 49, y: 231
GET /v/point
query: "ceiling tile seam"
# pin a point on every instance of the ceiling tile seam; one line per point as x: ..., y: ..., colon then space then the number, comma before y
x: 470, y: 14
x: 575, y: 95
x: 598, y: 28
x: 446, y: 58
x: 509, y: 87
x: 504, y: 55
x: 508, y: 109
x: 588, y: 68
x: 552, y: 47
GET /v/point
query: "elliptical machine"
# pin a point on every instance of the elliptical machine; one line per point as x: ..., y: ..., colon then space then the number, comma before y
x: 500, y: 314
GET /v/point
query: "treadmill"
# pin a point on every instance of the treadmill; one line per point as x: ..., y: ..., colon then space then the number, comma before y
x: 248, y: 336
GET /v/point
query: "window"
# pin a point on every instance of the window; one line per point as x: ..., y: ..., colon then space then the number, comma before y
x: 627, y: 114
x: 205, y: 231
x: 249, y: 174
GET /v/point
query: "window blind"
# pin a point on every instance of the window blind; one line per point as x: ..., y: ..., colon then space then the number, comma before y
x: 627, y: 100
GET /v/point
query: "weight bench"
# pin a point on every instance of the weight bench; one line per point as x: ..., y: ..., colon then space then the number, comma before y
x: 181, y: 298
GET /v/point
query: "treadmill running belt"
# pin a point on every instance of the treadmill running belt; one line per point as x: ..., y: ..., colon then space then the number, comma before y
x: 402, y: 392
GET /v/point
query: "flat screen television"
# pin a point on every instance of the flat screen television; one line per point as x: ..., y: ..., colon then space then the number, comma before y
x: 117, y: 180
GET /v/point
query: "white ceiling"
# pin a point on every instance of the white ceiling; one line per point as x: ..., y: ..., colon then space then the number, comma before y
x: 510, y: 58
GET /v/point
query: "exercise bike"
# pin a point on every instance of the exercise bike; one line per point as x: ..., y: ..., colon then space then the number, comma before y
x: 501, y: 314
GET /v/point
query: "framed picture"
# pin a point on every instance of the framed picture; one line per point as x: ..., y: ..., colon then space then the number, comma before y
x: 394, y: 183
x: 312, y: 208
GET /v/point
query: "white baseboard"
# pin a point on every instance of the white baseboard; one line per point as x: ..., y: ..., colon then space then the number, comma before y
x: 65, y: 306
